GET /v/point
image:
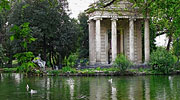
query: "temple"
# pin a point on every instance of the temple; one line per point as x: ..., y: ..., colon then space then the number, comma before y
x: 117, y: 29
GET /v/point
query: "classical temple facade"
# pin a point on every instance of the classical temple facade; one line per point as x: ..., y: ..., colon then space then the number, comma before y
x: 117, y: 29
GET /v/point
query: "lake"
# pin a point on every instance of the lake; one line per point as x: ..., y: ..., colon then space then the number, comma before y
x: 13, y: 87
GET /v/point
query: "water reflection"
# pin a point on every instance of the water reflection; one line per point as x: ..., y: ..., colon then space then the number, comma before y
x: 13, y: 87
x: 113, y: 89
x: 70, y: 82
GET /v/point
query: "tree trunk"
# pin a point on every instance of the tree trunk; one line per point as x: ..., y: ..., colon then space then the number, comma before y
x: 50, y: 55
x: 44, y: 47
x: 169, y: 43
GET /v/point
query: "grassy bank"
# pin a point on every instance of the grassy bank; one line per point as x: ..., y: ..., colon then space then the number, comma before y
x: 94, y: 72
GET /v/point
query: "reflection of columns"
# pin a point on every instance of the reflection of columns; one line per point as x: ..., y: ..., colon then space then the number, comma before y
x: 98, y: 88
x: 98, y: 39
x: 70, y: 82
x: 146, y: 41
x: 92, y: 51
x: 131, y: 39
x: 147, y: 89
x: 114, y: 39
x: 113, y: 90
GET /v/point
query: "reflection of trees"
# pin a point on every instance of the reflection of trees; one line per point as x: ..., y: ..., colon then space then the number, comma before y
x: 164, y: 88
x: 91, y: 88
x: 1, y: 77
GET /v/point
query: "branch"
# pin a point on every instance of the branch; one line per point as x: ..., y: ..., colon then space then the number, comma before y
x: 161, y: 33
x: 110, y: 3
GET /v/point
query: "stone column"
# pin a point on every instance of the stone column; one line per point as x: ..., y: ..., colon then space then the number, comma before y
x: 114, y: 38
x: 122, y: 43
x: 131, y: 39
x: 98, y: 39
x: 92, y: 49
x: 146, y: 41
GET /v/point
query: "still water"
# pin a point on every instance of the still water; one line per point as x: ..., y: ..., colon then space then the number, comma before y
x: 13, y: 87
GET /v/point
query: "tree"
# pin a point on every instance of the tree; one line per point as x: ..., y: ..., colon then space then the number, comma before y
x: 23, y: 35
x: 84, y: 37
x: 56, y: 32
x: 4, y: 7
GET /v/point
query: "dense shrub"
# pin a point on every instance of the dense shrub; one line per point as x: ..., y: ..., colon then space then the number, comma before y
x: 25, y: 61
x: 161, y: 60
x: 71, y: 60
x: 122, y: 62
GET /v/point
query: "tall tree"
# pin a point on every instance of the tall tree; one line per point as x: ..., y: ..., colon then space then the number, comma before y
x: 56, y: 32
x: 84, y: 36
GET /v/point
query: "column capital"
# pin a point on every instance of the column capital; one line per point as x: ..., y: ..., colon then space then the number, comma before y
x: 114, y: 18
x: 146, y: 19
x: 88, y: 21
x: 132, y: 19
x: 98, y: 18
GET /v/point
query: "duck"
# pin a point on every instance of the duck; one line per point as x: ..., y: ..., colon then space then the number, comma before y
x: 33, y: 91
x: 27, y: 87
x: 110, y: 80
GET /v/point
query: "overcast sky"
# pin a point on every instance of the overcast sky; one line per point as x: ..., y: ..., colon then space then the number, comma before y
x: 77, y: 6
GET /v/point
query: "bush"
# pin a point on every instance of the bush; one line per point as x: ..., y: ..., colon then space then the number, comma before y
x: 10, y: 70
x: 25, y: 61
x: 54, y: 72
x: 122, y: 62
x: 71, y: 60
x: 162, y: 61
x: 69, y: 69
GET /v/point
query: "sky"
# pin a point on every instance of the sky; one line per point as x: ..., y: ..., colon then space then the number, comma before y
x: 78, y: 6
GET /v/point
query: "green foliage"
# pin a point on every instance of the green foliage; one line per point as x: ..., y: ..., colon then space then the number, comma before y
x: 22, y: 33
x: 98, y: 68
x: 176, y: 50
x: 84, y: 36
x: 9, y: 70
x: 84, y: 61
x: 68, y: 69
x: 4, y: 4
x: 122, y: 62
x: 71, y: 61
x: 54, y: 72
x: 24, y: 59
x: 38, y: 72
x: 3, y: 58
x: 55, y: 31
x: 162, y: 61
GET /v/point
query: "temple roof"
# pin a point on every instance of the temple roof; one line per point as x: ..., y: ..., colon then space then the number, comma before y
x: 113, y: 7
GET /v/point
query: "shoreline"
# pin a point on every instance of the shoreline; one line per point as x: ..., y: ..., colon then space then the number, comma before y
x: 97, y: 73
